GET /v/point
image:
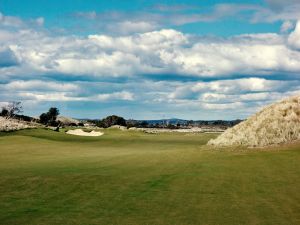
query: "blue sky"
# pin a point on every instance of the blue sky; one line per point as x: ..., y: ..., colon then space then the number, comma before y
x: 149, y: 59
x: 61, y: 13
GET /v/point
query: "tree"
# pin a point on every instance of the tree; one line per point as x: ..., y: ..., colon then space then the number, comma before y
x: 44, y: 118
x: 12, y: 109
x: 144, y: 124
x: 53, y: 113
x: 50, y: 117
x: 112, y: 120
x: 4, y: 112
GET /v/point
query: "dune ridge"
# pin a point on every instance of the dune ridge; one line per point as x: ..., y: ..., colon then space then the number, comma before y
x: 275, y: 124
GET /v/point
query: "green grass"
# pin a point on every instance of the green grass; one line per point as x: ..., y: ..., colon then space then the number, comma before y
x: 133, y: 178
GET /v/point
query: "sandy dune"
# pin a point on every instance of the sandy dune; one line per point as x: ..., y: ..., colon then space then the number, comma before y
x: 80, y: 132
x: 14, y: 124
x: 275, y: 124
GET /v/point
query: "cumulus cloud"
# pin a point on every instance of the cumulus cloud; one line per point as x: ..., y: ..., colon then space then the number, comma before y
x: 294, y: 38
x: 128, y: 27
x: 61, y: 96
x: 123, y: 95
x: 222, y: 106
x: 21, y: 85
x: 10, y: 21
x: 17, y: 23
x: 38, y: 90
x: 222, y: 88
x: 7, y: 58
x: 286, y: 26
x: 165, y: 51
x: 162, y: 69
x: 239, y: 96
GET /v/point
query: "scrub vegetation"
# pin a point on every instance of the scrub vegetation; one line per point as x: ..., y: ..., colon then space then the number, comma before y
x: 275, y: 124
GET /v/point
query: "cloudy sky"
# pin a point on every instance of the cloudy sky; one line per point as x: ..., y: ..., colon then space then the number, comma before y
x: 147, y: 59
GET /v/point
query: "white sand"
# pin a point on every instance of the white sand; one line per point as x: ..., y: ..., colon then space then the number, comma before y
x: 80, y: 132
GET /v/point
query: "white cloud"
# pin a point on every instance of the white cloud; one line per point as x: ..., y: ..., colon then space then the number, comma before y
x: 3, y: 104
x: 223, y: 88
x: 222, y: 106
x: 163, y: 55
x: 286, y: 26
x: 10, y: 21
x: 124, y: 95
x: 7, y: 58
x: 247, y: 94
x: 40, y: 21
x: 16, y: 22
x: 128, y: 27
x: 49, y: 96
x: 21, y: 85
x: 37, y: 90
x: 157, y: 52
x: 61, y: 96
x: 294, y: 37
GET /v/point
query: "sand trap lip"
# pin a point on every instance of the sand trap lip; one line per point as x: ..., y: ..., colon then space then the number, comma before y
x: 80, y: 132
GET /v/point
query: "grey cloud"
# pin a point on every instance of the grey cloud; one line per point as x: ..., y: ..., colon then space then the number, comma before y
x: 130, y: 57
x: 288, y: 12
x: 11, y: 21
x: 17, y: 23
x: 279, y: 4
x: 8, y: 58
x: 155, y: 53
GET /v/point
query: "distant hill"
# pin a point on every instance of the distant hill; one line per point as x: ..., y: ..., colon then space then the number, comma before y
x: 67, y: 121
x: 275, y: 124
x: 175, y: 121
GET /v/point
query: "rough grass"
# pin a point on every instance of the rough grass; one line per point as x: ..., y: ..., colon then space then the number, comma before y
x: 14, y: 124
x: 275, y: 124
x: 136, y: 178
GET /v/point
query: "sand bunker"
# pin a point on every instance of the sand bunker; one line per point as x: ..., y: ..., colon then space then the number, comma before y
x: 80, y: 132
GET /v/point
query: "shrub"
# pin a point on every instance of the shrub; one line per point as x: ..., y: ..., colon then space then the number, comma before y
x: 4, y: 112
x: 112, y: 120
x: 49, y: 118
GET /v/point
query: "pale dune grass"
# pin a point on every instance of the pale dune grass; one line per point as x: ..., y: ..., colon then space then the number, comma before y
x: 14, y: 124
x: 275, y: 124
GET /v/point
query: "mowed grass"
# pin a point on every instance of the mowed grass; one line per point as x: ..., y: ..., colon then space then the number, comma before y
x: 135, y: 178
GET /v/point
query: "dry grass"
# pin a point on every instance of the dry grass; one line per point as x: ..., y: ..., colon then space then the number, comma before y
x: 275, y: 124
x: 13, y: 124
